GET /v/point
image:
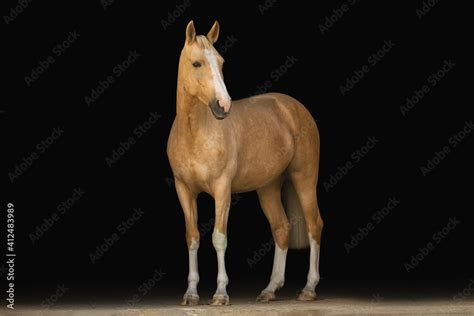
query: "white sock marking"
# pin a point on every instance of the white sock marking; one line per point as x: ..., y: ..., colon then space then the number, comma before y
x: 219, y: 241
x: 278, y: 272
x: 193, y: 276
x: 313, y: 274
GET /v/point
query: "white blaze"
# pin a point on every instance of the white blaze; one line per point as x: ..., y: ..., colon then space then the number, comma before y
x: 221, y: 91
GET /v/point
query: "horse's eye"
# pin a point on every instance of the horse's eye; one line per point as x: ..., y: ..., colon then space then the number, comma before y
x: 197, y: 64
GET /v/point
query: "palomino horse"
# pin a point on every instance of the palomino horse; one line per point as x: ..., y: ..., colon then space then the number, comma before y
x: 268, y: 143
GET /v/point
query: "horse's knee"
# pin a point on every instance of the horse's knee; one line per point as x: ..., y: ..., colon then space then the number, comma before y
x: 219, y: 240
x: 192, y: 240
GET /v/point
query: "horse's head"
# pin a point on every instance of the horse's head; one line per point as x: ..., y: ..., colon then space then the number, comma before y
x: 201, y: 66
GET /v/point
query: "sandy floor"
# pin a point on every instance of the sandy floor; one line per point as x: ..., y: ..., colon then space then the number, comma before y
x: 385, y: 297
x: 241, y: 306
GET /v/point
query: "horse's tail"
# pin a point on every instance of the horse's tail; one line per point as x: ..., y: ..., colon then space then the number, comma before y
x: 298, y: 231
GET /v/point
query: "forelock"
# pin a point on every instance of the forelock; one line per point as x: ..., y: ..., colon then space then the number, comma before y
x: 203, y: 42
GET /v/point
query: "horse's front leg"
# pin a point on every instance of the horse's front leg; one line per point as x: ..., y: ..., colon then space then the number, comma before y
x: 222, y: 198
x: 189, y: 205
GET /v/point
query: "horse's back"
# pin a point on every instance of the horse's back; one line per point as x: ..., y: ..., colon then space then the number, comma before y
x: 284, y: 110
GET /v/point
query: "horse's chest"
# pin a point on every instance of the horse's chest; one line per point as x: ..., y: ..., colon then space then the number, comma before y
x: 198, y: 164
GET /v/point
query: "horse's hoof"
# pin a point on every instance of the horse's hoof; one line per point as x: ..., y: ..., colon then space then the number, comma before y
x: 306, y: 296
x: 220, y: 300
x: 190, y: 299
x: 265, y: 297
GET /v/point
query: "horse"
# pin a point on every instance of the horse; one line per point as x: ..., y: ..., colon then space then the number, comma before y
x: 268, y: 143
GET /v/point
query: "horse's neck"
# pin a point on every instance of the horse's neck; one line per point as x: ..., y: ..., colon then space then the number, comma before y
x: 194, y: 119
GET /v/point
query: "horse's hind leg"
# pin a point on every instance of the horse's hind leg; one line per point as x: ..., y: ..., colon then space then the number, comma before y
x: 304, y: 182
x: 270, y: 200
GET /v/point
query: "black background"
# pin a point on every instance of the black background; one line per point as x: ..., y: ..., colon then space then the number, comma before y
x: 141, y: 178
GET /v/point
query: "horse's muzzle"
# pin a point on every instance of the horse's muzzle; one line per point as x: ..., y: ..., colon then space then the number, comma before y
x: 217, y: 110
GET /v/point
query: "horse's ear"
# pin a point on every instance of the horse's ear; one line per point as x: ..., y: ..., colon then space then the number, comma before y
x: 190, y: 32
x: 213, y: 33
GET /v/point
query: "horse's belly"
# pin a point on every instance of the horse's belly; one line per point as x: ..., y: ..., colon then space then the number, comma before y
x: 256, y: 174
